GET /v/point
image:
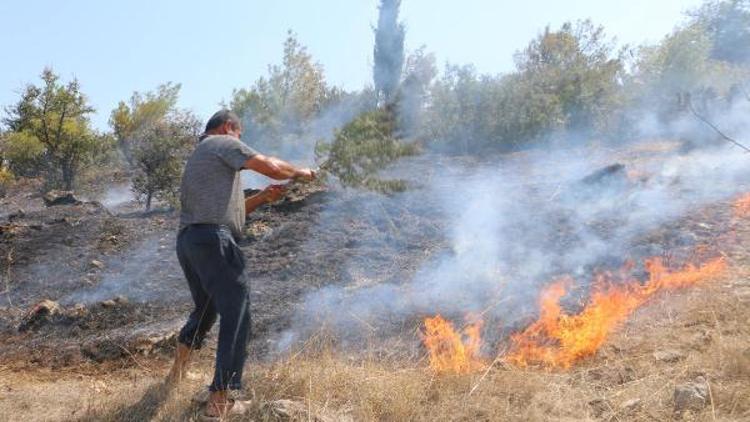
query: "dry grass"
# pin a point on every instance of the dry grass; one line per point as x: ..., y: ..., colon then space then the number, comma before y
x: 708, y: 325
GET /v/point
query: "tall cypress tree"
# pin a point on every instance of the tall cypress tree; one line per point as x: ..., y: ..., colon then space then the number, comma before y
x: 388, y: 52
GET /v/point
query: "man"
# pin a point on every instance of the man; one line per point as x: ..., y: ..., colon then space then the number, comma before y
x: 211, y: 220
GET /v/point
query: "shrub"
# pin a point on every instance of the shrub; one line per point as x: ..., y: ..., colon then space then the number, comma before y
x: 364, y: 147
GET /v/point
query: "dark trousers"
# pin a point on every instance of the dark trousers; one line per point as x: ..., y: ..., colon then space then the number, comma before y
x: 213, y: 266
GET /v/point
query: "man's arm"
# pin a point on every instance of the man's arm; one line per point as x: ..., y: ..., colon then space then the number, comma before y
x: 270, y: 194
x: 277, y: 169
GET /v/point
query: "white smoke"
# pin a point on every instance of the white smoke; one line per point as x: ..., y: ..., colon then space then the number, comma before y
x: 299, y: 149
x: 117, y: 195
x: 518, y: 222
x: 144, y: 272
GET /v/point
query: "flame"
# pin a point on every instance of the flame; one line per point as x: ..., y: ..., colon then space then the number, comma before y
x: 451, y: 351
x: 742, y: 206
x: 557, y: 339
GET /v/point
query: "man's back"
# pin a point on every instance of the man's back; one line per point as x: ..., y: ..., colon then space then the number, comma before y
x: 211, y: 192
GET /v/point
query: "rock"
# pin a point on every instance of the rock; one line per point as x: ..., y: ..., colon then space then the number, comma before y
x: 41, y: 312
x: 97, y: 264
x: 118, y: 300
x: 605, y: 174
x: 630, y: 406
x: 705, y: 226
x: 79, y: 310
x: 20, y: 213
x: 608, y: 181
x: 691, y: 396
x: 668, y: 356
x: 153, y: 343
x: 60, y: 197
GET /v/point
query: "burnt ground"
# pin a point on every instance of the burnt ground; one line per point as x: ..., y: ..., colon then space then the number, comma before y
x: 84, y: 256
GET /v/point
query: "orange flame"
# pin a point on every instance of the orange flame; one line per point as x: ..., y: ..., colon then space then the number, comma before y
x: 742, y: 206
x: 451, y: 351
x: 557, y: 339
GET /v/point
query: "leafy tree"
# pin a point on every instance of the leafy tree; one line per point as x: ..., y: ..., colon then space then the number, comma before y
x: 23, y: 154
x: 159, y: 157
x: 702, y: 64
x: 567, y: 79
x: 388, y: 53
x: 282, y: 105
x: 667, y: 72
x: 727, y: 22
x: 156, y: 138
x: 142, y: 111
x: 419, y: 73
x: 362, y: 148
x: 50, y: 129
x: 458, y: 116
x: 574, y: 70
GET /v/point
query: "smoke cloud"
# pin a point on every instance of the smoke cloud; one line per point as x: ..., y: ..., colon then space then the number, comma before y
x: 145, y: 272
x: 515, y: 225
x: 117, y: 195
x: 300, y: 150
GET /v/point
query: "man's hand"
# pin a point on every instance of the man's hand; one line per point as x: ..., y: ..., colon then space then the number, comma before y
x: 273, y: 193
x: 270, y: 194
x: 305, y: 174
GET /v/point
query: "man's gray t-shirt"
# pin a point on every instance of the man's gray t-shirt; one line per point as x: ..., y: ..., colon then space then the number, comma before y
x: 211, y: 192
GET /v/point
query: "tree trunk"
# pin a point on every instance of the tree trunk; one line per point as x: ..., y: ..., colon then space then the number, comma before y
x: 148, y: 201
x: 68, y: 176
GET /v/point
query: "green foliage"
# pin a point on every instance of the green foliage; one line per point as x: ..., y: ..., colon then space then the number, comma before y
x: 159, y: 156
x: 362, y: 148
x: 52, y: 118
x: 282, y: 105
x: 156, y: 138
x: 565, y: 80
x: 461, y: 109
x: 700, y: 62
x: 419, y: 73
x: 143, y: 111
x: 388, y: 53
x: 23, y: 153
x: 575, y: 72
x: 679, y: 64
x: 727, y: 22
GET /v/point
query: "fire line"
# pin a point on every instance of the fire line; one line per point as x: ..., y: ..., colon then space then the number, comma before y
x: 558, y: 339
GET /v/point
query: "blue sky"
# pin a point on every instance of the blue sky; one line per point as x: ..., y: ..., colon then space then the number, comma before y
x: 114, y: 48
